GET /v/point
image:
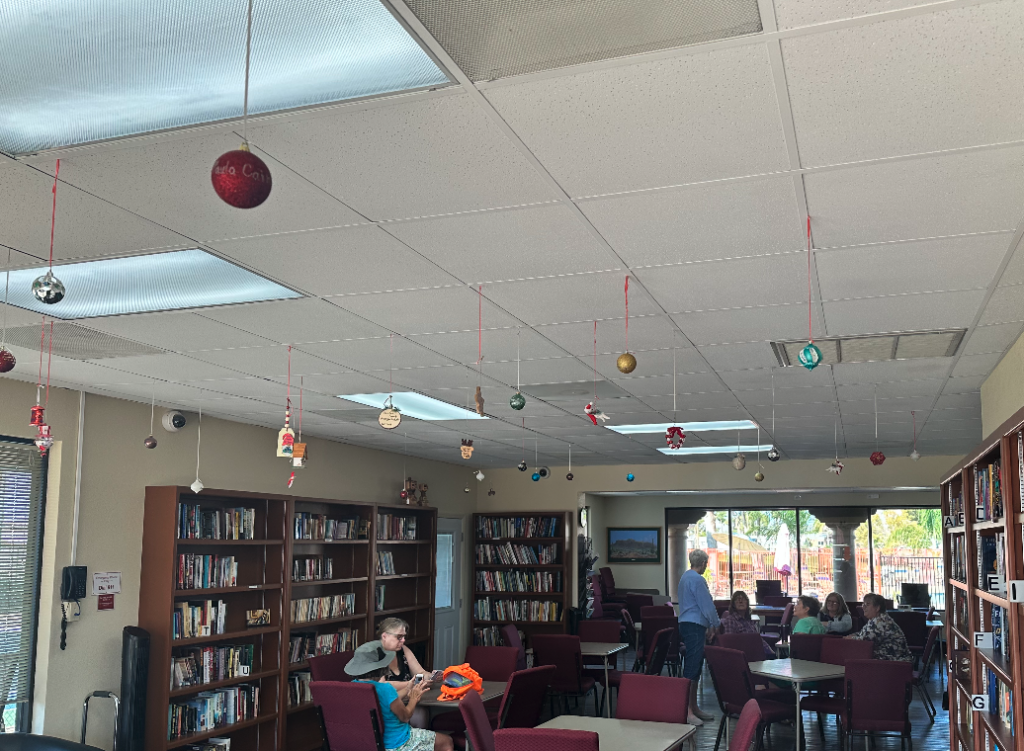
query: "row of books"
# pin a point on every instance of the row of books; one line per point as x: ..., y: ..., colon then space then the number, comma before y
x: 486, y: 609
x: 958, y: 557
x: 204, y: 618
x: 988, y: 493
x: 959, y: 611
x: 198, y: 571
x: 210, y: 744
x: 511, y: 554
x: 487, y: 636
x: 199, y: 665
x: 1000, y: 698
x: 378, y: 597
x: 312, y: 569
x: 320, y: 608
x: 518, y: 581
x: 303, y: 646
x: 385, y: 563
x: 320, y: 527
x: 956, y: 503
x: 212, y: 709
x: 991, y: 561
x: 1000, y: 628
x: 298, y: 688
x: 390, y: 527
x: 197, y: 523
x: 495, y: 527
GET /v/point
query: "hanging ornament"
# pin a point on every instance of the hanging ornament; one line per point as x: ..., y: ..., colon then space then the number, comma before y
x: 48, y: 289
x: 914, y: 454
x: 773, y: 454
x: 877, y: 457
x: 568, y: 475
x: 198, y: 484
x: 491, y: 492
x: 739, y: 462
x: 594, y: 413
x: 239, y: 177
x: 810, y: 356
x: 389, y: 417
x: 518, y: 401
x: 467, y: 448
x: 835, y: 467
x: 674, y: 437
x: 299, y: 453
x: 7, y: 360
x: 523, y: 466
x: 150, y: 442
x: 36, y: 417
x: 479, y: 475
x: 759, y: 477
x: 630, y: 477
x: 291, y: 478
x: 535, y: 476
x: 286, y: 436
x: 479, y: 399
x: 626, y: 363
x: 44, y: 438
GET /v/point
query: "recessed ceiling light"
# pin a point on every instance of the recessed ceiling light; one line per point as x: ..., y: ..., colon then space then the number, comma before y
x: 164, y: 65
x: 874, y: 348
x: 411, y: 404
x: 691, y: 450
x: 695, y: 427
x: 141, y: 284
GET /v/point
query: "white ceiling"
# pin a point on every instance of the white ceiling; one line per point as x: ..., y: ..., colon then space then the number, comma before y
x: 898, y: 126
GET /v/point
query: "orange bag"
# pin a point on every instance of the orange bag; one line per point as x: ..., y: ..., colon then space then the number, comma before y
x: 458, y: 681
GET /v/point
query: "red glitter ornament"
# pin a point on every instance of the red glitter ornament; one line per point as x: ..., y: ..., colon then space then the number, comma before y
x: 7, y: 361
x: 877, y: 458
x: 37, y: 416
x: 241, y: 178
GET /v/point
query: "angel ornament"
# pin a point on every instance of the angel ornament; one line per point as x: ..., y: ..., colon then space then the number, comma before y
x: 594, y: 413
x: 835, y: 467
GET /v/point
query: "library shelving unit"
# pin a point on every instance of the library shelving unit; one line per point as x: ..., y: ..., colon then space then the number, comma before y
x: 313, y: 564
x: 522, y: 574
x: 982, y: 514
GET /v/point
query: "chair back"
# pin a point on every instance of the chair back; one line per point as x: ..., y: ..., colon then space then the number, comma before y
x: 563, y: 652
x: 607, y: 581
x: 746, y: 727
x: 493, y: 663
x: 545, y: 739
x: 658, y: 650
x: 777, y: 601
x: 26, y: 742
x: 330, y: 667
x: 478, y: 727
x: 750, y: 645
x: 351, y: 716
x: 653, y: 698
x: 787, y: 615
x: 806, y: 646
x: 878, y: 694
x: 524, y: 697
x: 651, y: 627
x: 841, y: 651
x: 510, y: 637
x: 657, y: 611
x: 599, y: 631
x: 731, y: 678
x: 634, y: 602
x: 929, y: 647
x: 913, y: 624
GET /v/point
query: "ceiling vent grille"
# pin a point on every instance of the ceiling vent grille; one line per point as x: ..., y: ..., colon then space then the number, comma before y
x: 874, y: 347
x: 79, y: 343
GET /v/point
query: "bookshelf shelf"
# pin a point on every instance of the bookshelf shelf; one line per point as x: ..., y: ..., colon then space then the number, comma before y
x: 300, y: 707
x: 224, y: 730
x: 559, y: 595
x: 226, y: 543
x: 230, y: 636
x: 194, y: 593
x: 958, y: 584
x: 322, y: 582
x: 396, y: 611
x: 994, y: 599
x: 327, y: 621
x: 330, y: 542
x: 404, y: 542
x: 1000, y: 733
x: 186, y: 690
x: 1000, y: 665
x: 402, y: 576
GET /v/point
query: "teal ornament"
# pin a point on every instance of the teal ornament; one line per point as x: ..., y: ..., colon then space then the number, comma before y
x: 535, y: 476
x: 630, y: 477
x: 517, y: 402
x: 810, y: 356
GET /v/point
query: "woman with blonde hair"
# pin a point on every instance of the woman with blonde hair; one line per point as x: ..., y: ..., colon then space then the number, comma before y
x: 836, y: 615
x: 392, y: 633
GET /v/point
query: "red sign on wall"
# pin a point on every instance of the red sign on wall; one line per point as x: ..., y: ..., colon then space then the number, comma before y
x: 106, y: 602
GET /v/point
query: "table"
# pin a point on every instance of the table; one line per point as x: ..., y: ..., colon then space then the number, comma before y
x: 604, y: 650
x: 635, y: 735
x: 796, y: 672
x: 432, y: 698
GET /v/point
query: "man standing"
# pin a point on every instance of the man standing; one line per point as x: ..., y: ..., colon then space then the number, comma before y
x: 697, y: 619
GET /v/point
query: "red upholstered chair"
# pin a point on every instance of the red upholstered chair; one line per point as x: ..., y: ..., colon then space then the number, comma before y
x: 914, y: 626
x: 783, y: 627
x: 601, y: 609
x: 921, y: 674
x: 599, y: 631
x: 634, y: 602
x: 734, y: 688
x: 653, y: 698
x: 657, y: 611
x: 878, y: 694
x: 545, y: 739
x: 493, y: 663
x: 835, y: 652
x: 478, y: 726
x: 650, y: 627
x: 330, y: 667
x: 746, y: 727
x: 510, y: 637
x: 350, y: 715
x: 608, y: 591
x: 657, y: 650
x: 750, y: 645
x: 806, y: 646
x: 563, y: 651
x: 632, y: 635
x: 519, y: 707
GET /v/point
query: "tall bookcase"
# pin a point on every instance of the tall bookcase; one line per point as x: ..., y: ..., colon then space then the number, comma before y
x: 522, y: 574
x: 302, y: 549
x: 982, y: 515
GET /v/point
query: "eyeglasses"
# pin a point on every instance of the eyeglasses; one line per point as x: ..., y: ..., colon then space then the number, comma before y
x: 400, y: 637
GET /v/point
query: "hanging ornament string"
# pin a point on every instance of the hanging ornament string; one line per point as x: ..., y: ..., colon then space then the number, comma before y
x: 773, y: 404
x: 876, y: 417
x: 675, y: 415
x: 518, y: 381
x: 49, y: 360
x: 480, y: 328
x: 810, y: 332
x: 627, y: 314
x: 595, y: 361
x: 152, y: 409
x: 53, y: 216
x: 199, y: 436
x: 42, y: 346
x: 7, y: 293
x: 301, y: 384
x: 248, y: 52
x: 391, y: 368
x: 288, y: 397
x: 913, y: 417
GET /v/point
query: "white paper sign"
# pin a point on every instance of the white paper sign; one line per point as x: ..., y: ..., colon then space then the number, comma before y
x: 106, y: 582
x: 1016, y: 590
x: 979, y: 702
x: 983, y: 639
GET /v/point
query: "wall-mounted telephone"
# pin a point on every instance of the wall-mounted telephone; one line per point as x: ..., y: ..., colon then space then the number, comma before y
x: 73, y: 583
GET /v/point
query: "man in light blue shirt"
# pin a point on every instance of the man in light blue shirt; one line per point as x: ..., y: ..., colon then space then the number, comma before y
x: 697, y: 614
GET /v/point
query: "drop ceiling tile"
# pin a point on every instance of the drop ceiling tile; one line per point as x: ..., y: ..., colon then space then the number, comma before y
x: 970, y: 400
x: 964, y: 413
x: 988, y: 339
x: 800, y: 395
x: 171, y: 367
x: 533, y: 372
x: 346, y: 383
x: 686, y: 384
x: 1006, y: 305
x: 73, y: 371
x: 812, y: 409
x: 963, y: 384
x: 181, y: 332
x: 929, y: 387
x: 703, y: 222
x: 428, y: 311
x: 498, y: 345
x: 188, y: 204
x: 955, y: 194
x: 176, y: 393
x: 896, y: 87
x: 255, y: 388
x: 686, y: 119
x: 977, y: 365
x: 756, y: 378
x: 948, y: 264
x: 739, y: 356
x: 877, y: 315
x: 743, y: 282
x: 688, y: 365
x: 793, y: 13
x: 653, y: 332
x: 749, y: 324
x: 461, y: 379
x: 892, y: 370
x: 348, y: 260
x: 379, y: 354
x: 583, y: 297
x: 268, y: 362
x: 1014, y: 271
x: 296, y: 321
x: 417, y: 158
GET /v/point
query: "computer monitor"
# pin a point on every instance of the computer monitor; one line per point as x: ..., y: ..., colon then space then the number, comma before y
x: 915, y: 595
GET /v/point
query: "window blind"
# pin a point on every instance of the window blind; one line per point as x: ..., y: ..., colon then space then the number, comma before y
x: 22, y: 497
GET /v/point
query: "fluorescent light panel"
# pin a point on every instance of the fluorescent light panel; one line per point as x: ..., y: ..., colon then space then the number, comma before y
x: 140, y: 284
x: 90, y: 71
x: 411, y: 404
x: 696, y: 427
x: 692, y: 450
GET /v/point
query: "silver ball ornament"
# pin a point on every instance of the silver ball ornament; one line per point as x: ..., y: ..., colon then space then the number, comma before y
x: 517, y: 402
x: 569, y: 477
x: 48, y: 289
x: 150, y: 443
x: 773, y: 454
x: 739, y: 462
x: 522, y: 466
x: 915, y: 455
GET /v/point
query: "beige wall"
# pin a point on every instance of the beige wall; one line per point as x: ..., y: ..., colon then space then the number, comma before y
x: 1002, y: 393
x: 116, y: 468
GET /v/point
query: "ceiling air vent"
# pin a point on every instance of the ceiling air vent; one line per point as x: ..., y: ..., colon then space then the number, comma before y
x: 80, y: 343
x: 874, y: 347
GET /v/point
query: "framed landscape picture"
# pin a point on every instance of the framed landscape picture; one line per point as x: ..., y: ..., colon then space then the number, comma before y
x: 634, y: 544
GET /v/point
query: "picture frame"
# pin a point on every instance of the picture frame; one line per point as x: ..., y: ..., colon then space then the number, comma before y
x: 634, y: 545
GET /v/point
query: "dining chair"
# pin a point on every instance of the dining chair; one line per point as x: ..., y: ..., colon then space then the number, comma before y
x: 878, y: 694
x: 657, y: 650
x: 829, y: 697
x: 915, y: 628
x: 780, y: 635
x: 635, y: 601
x: 653, y: 698
x: 519, y: 707
x: 751, y: 645
x: 657, y: 611
x: 493, y: 663
x: 330, y: 667
x: 602, y: 610
x: 510, y: 637
x: 921, y: 674
x: 746, y: 727
x: 563, y: 652
x: 545, y: 739
x: 27, y: 742
x: 608, y: 591
x: 652, y: 626
x: 807, y: 646
x: 476, y: 722
x: 350, y: 716
x: 602, y: 632
x: 632, y: 636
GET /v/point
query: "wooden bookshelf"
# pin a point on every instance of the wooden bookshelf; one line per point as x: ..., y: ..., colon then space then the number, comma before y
x: 555, y: 537
x: 972, y: 602
x: 266, y: 580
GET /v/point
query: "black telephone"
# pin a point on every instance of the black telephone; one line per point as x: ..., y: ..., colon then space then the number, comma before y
x: 73, y: 583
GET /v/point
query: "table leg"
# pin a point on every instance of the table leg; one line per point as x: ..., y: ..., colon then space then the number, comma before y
x: 796, y: 686
x: 607, y: 690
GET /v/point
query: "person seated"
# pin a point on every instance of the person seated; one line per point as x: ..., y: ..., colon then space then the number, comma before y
x: 805, y: 616
x: 889, y: 640
x: 392, y: 633
x: 371, y: 664
x: 836, y: 615
x: 738, y: 620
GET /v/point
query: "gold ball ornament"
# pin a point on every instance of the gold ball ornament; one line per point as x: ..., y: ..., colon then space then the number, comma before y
x: 626, y: 363
x: 759, y: 477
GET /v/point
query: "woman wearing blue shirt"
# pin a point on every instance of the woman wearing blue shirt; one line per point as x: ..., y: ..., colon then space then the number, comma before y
x: 698, y: 620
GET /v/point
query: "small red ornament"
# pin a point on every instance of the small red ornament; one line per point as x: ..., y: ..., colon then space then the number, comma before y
x: 877, y: 458
x: 241, y: 178
x: 674, y: 437
x: 37, y: 416
x: 7, y: 361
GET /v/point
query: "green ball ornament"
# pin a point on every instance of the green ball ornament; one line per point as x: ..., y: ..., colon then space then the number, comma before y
x: 517, y: 402
x: 810, y: 356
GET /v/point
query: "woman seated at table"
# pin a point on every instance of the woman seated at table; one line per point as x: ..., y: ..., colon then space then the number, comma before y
x: 738, y: 620
x: 836, y: 615
x: 392, y: 633
x: 889, y: 639
x: 372, y: 664
x: 805, y: 616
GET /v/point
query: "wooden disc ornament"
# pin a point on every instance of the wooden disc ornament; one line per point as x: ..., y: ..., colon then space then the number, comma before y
x: 389, y: 418
x: 626, y: 363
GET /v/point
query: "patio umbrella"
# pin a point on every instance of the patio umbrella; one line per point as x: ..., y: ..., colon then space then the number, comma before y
x: 781, y: 564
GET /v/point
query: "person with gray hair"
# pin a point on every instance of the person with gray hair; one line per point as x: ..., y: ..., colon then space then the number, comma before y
x: 698, y: 619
